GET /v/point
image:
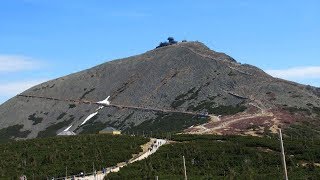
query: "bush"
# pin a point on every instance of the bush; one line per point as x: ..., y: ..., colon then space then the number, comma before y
x: 226, y: 157
x: 45, y: 157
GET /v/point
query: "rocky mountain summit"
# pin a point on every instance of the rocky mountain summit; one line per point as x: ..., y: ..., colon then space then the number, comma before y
x: 185, y: 76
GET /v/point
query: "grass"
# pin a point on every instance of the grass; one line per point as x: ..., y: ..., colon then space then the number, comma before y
x: 47, y: 157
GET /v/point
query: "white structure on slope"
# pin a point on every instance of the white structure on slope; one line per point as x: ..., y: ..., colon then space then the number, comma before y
x: 66, y: 133
x: 67, y: 129
x: 88, y: 118
x: 105, y: 102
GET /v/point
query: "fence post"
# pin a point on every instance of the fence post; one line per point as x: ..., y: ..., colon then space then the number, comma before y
x: 283, y: 156
x: 185, y: 169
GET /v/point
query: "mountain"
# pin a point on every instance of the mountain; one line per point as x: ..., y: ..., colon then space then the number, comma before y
x: 187, y: 76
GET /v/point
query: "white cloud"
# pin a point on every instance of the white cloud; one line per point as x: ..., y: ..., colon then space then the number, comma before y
x: 13, y: 63
x: 14, y: 88
x: 308, y: 72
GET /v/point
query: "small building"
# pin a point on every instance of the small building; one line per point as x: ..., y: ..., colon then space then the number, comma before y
x: 110, y: 130
x: 66, y: 133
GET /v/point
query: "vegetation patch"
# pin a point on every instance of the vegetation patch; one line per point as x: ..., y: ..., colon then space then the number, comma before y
x: 123, y: 87
x: 87, y: 92
x: 220, y: 110
x: 316, y: 110
x: 93, y: 127
x: 36, y: 89
x: 296, y: 96
x: 171, y: 122
x: 294, y: 110
x: 43, y: 158
x: 231, y: 73
x: 52, y: 130
x: 226, y: 157
x: 129, y: 116
x: 309, y: 127
x: 72, y: 106
x: 306, y: 128
x: 12, y: 131
x: 182, y: 98
x: 203, y: 105
x: 61, y: 116
x: 36, y: 120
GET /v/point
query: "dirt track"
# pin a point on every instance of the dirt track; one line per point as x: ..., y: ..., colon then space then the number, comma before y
x: 147, y: 149
x: 255, y: 121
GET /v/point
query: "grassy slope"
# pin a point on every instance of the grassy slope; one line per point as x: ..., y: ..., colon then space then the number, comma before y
x: 226, y: 157
x: 50, y: 156
x: 167, y: 122
x: 307, y: 127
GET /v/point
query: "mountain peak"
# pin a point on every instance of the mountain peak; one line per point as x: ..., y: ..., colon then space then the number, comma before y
x: 179, y: 77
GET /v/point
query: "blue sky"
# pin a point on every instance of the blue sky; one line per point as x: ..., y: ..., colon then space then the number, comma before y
x: 45, y: 39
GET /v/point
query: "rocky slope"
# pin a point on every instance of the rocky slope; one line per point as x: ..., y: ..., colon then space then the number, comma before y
x: 186, y: 76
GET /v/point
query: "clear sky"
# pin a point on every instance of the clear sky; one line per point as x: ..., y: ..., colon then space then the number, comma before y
x: 45, y: 39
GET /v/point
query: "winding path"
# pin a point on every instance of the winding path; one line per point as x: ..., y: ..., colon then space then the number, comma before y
x: 149, y: 148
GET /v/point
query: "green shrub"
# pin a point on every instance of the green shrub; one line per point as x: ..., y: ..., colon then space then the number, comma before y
x: 220, y: 110
x: 46, y: 157
x: 36, y: 120
x: 226, y: 157
x: 12, y: 131
x: 167, y: 122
